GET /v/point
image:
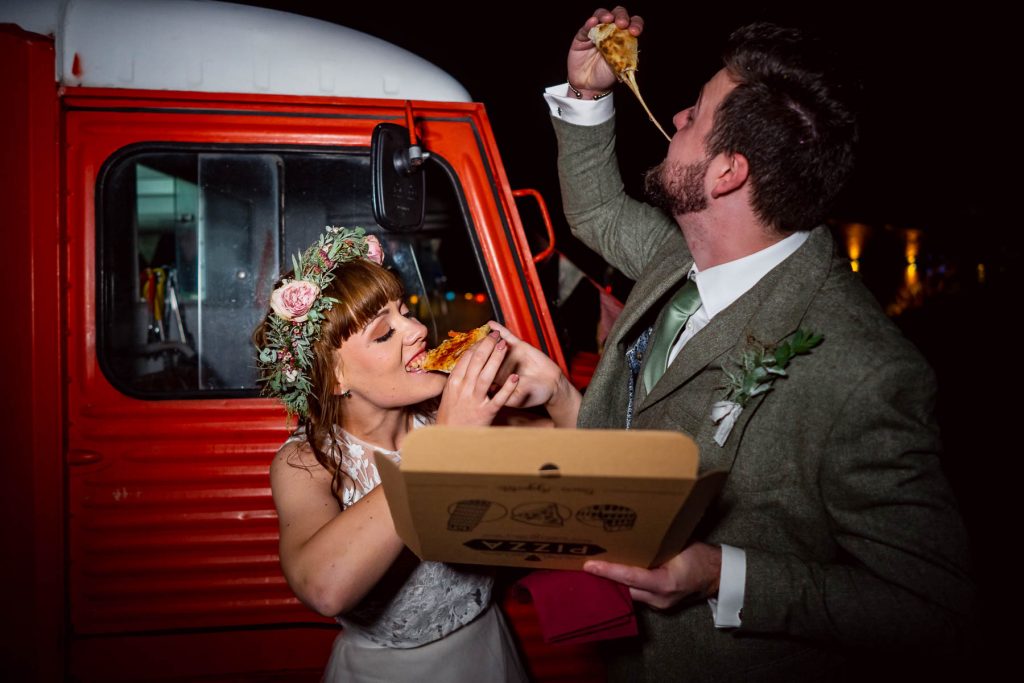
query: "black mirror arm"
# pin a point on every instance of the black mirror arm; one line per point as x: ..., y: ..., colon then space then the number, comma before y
x: 410, y: 160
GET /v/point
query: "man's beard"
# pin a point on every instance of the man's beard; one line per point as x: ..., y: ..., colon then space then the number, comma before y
x: 682, y: 192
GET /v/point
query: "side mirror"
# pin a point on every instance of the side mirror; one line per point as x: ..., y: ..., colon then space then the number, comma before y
x: 396, y: 173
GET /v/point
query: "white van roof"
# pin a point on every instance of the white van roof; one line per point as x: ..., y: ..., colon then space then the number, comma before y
x: 205, y: 46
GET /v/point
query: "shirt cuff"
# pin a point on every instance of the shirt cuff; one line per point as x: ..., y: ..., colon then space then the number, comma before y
x: 578, y: 112
x: 728, y: 606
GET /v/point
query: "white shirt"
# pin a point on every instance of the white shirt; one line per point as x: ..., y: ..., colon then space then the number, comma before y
x: 579, y: 112
x: 719, y: 287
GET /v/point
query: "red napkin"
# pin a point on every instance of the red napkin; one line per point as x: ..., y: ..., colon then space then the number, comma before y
x: 576, y: 607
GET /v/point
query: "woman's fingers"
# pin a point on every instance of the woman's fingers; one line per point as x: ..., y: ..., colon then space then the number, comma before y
x: 472, y: 359
x: 502, y: 396
x: 476, y: 370
x: 502, y: 330
x: 490, y: 369
x: 476, y: 358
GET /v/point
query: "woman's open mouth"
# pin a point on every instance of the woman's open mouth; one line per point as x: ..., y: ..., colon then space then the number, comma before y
x: 417, y: 360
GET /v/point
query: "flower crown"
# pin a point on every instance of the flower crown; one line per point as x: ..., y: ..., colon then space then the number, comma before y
x: 299, y: 309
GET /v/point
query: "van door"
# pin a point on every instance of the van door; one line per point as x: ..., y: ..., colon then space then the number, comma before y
x: 182, y: 211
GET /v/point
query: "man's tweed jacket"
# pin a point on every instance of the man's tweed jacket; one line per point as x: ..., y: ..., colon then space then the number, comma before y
x: 835, y: 491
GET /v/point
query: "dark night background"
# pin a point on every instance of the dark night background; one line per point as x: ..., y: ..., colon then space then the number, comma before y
x: 937, y: 139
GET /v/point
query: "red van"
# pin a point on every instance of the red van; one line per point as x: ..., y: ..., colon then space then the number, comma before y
x: 162, y: 162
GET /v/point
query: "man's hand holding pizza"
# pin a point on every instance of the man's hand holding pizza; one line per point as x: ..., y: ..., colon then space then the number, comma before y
x: 540, y: 383
x: 588, y: 71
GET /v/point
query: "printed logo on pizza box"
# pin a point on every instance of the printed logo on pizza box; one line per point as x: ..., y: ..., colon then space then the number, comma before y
x: 465, y: 515
x: 498, y: 545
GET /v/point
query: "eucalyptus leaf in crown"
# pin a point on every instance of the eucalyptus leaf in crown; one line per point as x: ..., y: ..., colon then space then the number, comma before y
x: 298, y: 311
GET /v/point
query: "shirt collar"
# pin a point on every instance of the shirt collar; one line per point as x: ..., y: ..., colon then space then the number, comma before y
x: 721, y: 285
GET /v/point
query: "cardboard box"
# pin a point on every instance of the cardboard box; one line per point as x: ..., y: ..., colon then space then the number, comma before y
x: 546, y: 498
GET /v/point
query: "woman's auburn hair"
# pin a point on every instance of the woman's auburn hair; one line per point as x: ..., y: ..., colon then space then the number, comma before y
x: 361, y: 289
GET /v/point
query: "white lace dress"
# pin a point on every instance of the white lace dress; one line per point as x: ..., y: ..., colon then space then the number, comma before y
x: 423, y: 620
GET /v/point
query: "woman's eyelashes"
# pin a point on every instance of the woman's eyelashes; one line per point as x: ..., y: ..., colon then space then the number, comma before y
x: 405, y: 313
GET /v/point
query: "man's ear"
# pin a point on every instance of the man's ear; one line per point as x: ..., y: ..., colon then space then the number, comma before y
x: 730, y: 173
x: 339, y: 373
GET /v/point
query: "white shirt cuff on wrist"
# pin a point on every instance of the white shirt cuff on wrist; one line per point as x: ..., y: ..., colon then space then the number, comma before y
x: 728, y: 606
x: 578, y: 112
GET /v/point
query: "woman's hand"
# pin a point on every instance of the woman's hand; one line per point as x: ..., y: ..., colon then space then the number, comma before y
x: 588, y: 71
x: 540, y: 380
x: 466, y: 400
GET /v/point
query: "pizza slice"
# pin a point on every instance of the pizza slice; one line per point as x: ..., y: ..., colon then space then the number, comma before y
x: 443, y: 357
x: 619, y: 48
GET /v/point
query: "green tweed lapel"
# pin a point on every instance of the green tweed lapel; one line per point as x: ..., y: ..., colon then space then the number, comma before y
x: 662, y: 276
x: 770, y: 311
x: 611, y: 377
x: 800, y: 278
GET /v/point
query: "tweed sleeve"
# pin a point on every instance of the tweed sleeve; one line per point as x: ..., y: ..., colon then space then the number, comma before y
x: 625, y: 232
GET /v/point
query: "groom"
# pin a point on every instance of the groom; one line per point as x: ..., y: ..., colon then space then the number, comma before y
x: 835, y: 542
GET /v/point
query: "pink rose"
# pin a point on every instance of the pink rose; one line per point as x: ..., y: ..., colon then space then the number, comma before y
x: 374, y: 252
x: 292, y: 300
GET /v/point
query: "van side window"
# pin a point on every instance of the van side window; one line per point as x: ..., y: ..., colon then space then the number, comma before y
x: 191, y: 242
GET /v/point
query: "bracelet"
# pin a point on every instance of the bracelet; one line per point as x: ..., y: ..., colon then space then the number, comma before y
x: 579, y: 95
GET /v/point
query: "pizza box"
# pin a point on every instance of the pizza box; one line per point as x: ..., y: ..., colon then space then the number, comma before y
x: 546, y: 498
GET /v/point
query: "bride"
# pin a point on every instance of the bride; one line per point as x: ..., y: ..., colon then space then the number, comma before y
x: 335, y: 348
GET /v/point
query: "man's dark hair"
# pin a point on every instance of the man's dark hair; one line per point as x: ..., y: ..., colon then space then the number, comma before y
x: 792, y: 116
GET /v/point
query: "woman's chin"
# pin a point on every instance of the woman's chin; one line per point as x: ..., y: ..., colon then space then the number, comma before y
x: 410, y: 389
x: 428, y: 384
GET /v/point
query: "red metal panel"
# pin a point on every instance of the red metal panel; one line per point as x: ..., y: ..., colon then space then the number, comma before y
x: 292, y: 655
x: 32, y: 494
x: 154, y: 488
x: 172, y: 529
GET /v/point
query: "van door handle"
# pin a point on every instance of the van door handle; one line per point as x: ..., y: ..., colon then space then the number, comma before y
x: 77, y: 458
x: 542, y: 205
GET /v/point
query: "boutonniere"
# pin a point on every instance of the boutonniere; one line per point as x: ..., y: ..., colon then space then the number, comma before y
x: 759, y: 366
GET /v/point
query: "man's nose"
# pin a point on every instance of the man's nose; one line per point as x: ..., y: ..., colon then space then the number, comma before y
x: 679, y: 120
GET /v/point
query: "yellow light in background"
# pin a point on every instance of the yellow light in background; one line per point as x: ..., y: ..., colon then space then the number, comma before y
x: 468, y: 296
x: 981, y: 273
x: 912, y: 292
x: 414, y: 299
x: 855, y: 233
x: 913, y: 238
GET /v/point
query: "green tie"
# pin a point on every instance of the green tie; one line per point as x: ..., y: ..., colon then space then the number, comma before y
x: 684, y: 304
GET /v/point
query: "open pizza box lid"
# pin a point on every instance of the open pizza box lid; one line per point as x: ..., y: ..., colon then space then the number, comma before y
x: 546, y: 498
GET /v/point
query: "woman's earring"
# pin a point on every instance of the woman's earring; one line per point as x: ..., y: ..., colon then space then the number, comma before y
x: 347, y: 393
